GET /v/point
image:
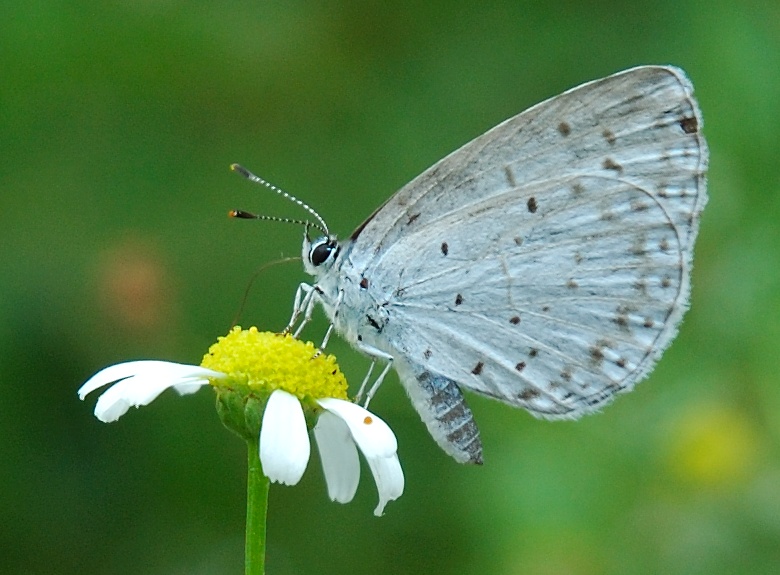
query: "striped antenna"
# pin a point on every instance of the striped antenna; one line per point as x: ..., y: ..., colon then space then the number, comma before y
x: 323, y: 227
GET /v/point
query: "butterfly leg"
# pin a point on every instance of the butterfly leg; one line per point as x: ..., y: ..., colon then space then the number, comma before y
x: 303, y: 301
x: 336, y: 306
x: 375, y: 354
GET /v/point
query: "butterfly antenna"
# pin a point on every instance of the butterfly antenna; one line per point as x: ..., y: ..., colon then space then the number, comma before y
x: 323, y: 227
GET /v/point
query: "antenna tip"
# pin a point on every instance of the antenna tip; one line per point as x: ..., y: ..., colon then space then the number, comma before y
x: 241, y: 170
x: 242, y: 215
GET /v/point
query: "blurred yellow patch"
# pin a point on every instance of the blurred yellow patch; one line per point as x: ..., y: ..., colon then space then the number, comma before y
x: 714, y: 446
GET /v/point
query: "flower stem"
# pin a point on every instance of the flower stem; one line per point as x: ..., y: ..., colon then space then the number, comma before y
x: 256, y: 510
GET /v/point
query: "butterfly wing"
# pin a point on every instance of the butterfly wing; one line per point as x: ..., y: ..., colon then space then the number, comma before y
x: 547, y: 262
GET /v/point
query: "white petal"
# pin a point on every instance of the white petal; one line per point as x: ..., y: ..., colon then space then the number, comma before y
x: 284, y: 440
x: 339, y: 456
x: 378, y: 444
x: 389, y: 479
x: 372, y: 435
x: 140, y: 382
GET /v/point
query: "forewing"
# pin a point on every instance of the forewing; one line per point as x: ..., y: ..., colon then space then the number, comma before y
x: 641, y: 125
x: 547, y: 263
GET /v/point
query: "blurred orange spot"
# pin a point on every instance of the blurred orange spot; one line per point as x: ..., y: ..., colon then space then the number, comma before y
x: 134, y: 286
x: 368, y: 420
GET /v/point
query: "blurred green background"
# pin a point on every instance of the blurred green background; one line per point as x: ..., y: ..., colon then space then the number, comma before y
x: 118, y: 121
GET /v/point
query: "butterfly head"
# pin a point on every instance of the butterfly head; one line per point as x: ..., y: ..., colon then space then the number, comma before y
x: 320, y: 254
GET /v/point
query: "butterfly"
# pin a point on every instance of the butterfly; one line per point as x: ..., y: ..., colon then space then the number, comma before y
x: 545, y: 264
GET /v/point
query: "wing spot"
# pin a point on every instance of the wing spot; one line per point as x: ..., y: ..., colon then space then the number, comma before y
x: 639, y: 206
x: 564, y: 129
x: 578, y: 259
x: 478, y: 368
x: 578, y: 189
x: 609, y: 136
x: 412, y: 218
x: 445, y: 249
x: 427, y: 354
x: 518, y: 241
x: 663, y: 245
x: 638, y: 248
x: 571, y: 284
x: 520, y: 366
x: 528, y: 394
x: 607, y: 216
x: 545, y: 308
x: 610, y: 164
x: 666, y: 282
x: 510, y: 177
x: 364, y: 283
x: 514, y: 320
x: 649, y: 322
x: 458, y: 299
x: 641, y: 286
x: 597, y: 353
x: 621, y: 363
x: 566, y: 375
x: 534, y: 352
x: 532, y: 206
x: 689, y: 125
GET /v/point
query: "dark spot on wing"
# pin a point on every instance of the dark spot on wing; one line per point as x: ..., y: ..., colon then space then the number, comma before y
x: 578, y: 189
x: 445, y: 249
x: 648, y: 322
x: 478, y: 368
x: 514, y: 319
x: 571, y: 284
x: 532, y: 206
x: 427, y: 354
x: 596, y: 354
x: 458, y: 299
x: 545, y: 308
x: 364, y: 283
x: 534, y: 352
x: 609, y: 136
x: 621, y: 362
x: 373, y: 323
x: 412, y: 218
x: 639, y: 206
x: 510, y: 177
x: 666, y: 282
x: 518, y: 241
x: 610, y: 164
x: 663, y: 245
x: 520, y: 366
x: 528, y: 394
x: 564, y: 129
x: 689, y: 125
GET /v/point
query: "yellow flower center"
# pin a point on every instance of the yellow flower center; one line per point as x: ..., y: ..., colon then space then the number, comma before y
x: 265, y: 361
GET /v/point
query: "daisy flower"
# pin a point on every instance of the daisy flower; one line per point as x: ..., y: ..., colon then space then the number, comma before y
x: 266, y: 385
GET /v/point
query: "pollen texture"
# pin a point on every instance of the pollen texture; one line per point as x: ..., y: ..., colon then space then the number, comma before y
x: 265, y: 361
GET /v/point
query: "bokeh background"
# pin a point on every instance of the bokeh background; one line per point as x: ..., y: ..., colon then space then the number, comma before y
x: 118, y: 121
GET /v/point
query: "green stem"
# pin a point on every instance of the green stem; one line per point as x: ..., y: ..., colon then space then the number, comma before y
x: 256, y: 510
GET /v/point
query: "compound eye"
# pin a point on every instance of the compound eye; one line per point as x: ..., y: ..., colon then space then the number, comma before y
x: 321, y: 253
